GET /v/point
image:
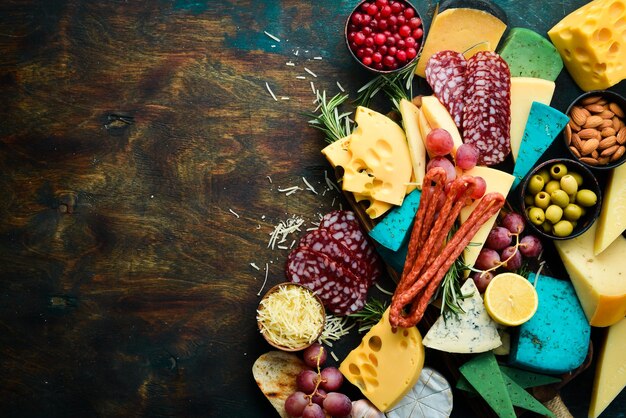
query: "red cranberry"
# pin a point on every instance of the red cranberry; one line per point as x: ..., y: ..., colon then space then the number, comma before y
x: 410, y: 53
x: 351, y: 36
x: 382, y: 49
x: 387, y: 33
x: 388, y: 61
x: 401, y: 20
x: 397, y: 36
x: 381, y: 3
x: 367, y: 30
x: 372, y: 10
x: 377, y: 57
x: 368, y: 52
x: 390, y: 41
x: 359, y: 38
x: 366, y: 19
x: 385, y: 11
x: 417, y: 33
x: 367, y: 61
x: 410, y: 42
x: 356, y: 18
x: 396, y: 7
x: 360, y: 52
x: 409, y: 12
x: 379, y: 39
x: 392, y: 51
x: 392, y: 20
x: 365, y: 7
x: 401, y: 44
x: 373, y: 24
x: 353, y: 46
x: 369, y: 42
x: 404, y: 31
x: 415, y: 22
x: 378, y: 66
x: 401, y: 56
x: 382, y: 24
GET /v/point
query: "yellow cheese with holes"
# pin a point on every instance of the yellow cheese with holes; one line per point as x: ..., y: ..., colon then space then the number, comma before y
x: 497, y: 181
x: 438, y: 117
x: 610, y: 377
x: 459, y: 30
x: 612, y: 220
x: 410, y: 115
x: 525, y: 91
x: 387, y: 363
x: 599, y: 280
x: 591, y: 41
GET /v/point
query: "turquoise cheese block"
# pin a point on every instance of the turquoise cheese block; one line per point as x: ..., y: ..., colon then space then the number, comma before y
x: 544, y: 124
x: 556, y: 339
x: 394, y: 259
x: 392, y: 230
x: 530, y: 55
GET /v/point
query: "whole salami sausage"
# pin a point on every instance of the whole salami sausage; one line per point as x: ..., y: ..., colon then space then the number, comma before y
x: 445, y: 73
x: 487, y: 110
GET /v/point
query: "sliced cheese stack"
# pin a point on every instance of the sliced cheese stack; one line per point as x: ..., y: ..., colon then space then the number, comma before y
x: 612, y: 220
x: 387, y: 363
x: 599, y: 280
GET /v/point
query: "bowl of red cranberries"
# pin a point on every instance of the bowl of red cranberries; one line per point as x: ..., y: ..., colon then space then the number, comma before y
x: 384, y: 35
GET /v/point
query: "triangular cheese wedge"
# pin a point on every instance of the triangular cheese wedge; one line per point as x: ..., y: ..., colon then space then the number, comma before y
x: 472, y: 331
x: 612, y: 220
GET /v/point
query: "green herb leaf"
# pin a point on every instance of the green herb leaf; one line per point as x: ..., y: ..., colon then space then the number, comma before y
x: 327, y: 118
x: 370, y: 315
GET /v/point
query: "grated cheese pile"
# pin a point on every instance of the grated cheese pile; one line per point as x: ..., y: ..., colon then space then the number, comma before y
x: 291, y: 317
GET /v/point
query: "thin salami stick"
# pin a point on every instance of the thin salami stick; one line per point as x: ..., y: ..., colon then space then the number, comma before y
x: 430, y: 215
x: 487, y: 207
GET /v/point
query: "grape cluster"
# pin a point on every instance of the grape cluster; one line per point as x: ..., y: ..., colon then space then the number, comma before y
x: 317, y: 389
x: 504, y: 249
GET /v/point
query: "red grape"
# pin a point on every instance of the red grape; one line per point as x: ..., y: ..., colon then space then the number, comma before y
x: 332, y: 379
x: 480, y: 187
x: 499, y: 238
x: 466, y: 156
x: 514, y: 222
x: 445, y: 164
x: 319, y: 396
x: 306, y: 381
x: 439, y: 142
x: 337, y: 404
x: 530, y: 246
x: 313, y: 411
x: 313, y: 354
x: 487, y: 258
x: 481, y: 280
x: 512, y: 258
x: 295, y: 403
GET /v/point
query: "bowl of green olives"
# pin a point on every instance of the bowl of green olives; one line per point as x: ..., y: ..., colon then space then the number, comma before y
x: 561, y: 198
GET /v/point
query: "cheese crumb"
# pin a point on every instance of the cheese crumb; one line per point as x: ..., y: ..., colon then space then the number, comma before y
x: 283, y: 229
x: 255, y: 266
x: 271, y: 36
x: 264, y: 280
x: 270, y: 91
x: 340, y: 87
x: 310, y: 72
x: 233, y: 212
x: 308, y: 185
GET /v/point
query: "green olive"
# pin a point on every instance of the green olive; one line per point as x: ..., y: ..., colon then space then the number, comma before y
x: 545, y: 175
x: 547, y: 227
x: 552, y: 185
x: 554, y: 213
x: 562, y: 228
x: 578, y: 177
x: 535, y: 184
x: 586, y: 198
x: 569, y: 184
x: 557, y: 171
x: 542, y: 200
x: 560, y: 198
x: 529, y: 200
x: 536, y: 215
x: 572, y: 212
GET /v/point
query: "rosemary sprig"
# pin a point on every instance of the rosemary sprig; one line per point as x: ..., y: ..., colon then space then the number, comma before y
x: 370, y: 315
x: 450, y: 289
x: 396, y: 85
x: 327, y: 118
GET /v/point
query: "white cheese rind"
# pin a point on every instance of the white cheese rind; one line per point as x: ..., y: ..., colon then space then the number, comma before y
x: 431, y: 397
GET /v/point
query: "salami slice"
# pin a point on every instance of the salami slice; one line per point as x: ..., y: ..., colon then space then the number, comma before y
x: 322, y: 241
x: 445, y: 73
x: 340, y: 291
x: 344, y: 227
x: 487, y: 110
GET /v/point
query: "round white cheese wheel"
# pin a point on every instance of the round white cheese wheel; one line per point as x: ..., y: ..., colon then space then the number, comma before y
x: 431, y: 397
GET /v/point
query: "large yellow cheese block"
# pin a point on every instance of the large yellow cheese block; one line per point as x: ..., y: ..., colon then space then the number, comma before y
x: 591, y: 43
x: 387, y: 363
x: 459, y: 30
x: 410, y: 116
x: 438, y: 117
x: 612, y: 221
x: 599, y: 280
x: 497, y: 181
x: 610, y: 377
x: 525, y: 91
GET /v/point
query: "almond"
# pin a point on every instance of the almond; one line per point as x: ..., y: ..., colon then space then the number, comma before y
x: 589, y: 100
x: 607, y: 142
x: 603, y: 160
x: 595, y: 154
x: 618, y: 154
x: 589, y: 146
x: 603, y: 102
x: 568, y: 134
x: 615, y: 108
x: 575, y: 151
x: 595, y: 108
x: 575, y: 127
x: 621, y: 136
x: 608, y: 131
x: 606, y: 114
x: 576, y: 141
x: 588, y: 160
x: 588, y: 133
x: 606, y: 124
x: 616, y: 123
x: 610, y: 151
x: 593, y: 121
x: 579, y: 115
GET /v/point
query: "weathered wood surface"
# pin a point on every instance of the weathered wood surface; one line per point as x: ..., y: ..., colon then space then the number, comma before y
x: 135, y: 143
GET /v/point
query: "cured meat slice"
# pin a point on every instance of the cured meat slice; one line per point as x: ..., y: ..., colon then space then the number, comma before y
x: 445, y: 73
x: 344, y: 227
x: 322, y: 241
x: 341, y: 292
x: 487, y: 110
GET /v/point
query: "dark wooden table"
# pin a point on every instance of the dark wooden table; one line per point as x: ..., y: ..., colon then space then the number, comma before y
x: 142, y: 159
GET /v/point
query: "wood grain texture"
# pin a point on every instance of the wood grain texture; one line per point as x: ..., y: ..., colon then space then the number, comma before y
x: 131, y: 132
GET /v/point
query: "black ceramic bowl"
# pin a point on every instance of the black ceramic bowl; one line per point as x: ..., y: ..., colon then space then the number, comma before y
x: 589, y: 181
x: 354, y: 50
x: 607, y: 97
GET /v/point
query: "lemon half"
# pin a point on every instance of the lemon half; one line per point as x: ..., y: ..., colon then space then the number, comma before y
x: 510, y: 299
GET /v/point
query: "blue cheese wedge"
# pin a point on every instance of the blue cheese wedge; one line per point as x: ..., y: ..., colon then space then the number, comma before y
x: 472, y: 331
x: 431, y: 397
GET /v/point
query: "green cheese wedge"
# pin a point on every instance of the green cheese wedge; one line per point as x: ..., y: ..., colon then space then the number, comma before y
x: 528, y: 379
x: 523, y: 399
x: 483, y: 373
x: 530, y: 55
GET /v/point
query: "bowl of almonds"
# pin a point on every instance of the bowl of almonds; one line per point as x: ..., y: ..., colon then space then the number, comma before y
x: 596, y: 132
